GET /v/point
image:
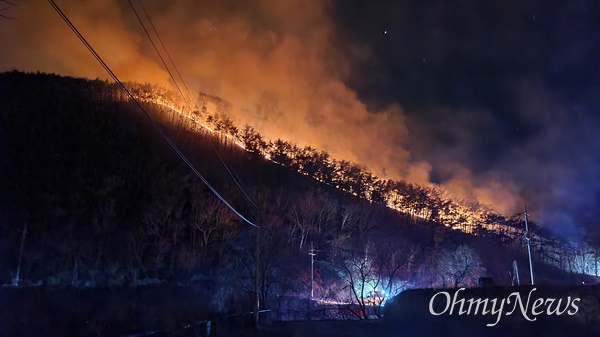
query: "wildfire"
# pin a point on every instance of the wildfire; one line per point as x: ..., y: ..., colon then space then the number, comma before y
x: 457, y: 216
x: 421, y: 203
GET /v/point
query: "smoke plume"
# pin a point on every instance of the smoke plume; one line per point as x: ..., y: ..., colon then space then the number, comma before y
x: 281, y: 69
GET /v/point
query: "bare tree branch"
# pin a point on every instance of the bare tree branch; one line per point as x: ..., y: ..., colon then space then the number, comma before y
x: 3, y: 16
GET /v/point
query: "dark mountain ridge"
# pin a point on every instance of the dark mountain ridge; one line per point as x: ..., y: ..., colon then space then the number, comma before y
x: 104, y: 202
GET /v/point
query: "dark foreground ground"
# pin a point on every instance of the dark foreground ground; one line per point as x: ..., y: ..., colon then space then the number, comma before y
x: 163, y: 310
x: 322, y: 329
x: 43, y: 311
x: 423, y: 328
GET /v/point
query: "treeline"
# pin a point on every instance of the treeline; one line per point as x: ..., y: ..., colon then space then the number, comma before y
x: 424, y: 203
x: 430, y: 203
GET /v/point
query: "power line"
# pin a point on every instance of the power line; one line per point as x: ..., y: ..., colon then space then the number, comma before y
x: 154, y: 125
x: 235, y: 180
x: 167, y: 52
x: 159, y: 56
x: 181, y: 78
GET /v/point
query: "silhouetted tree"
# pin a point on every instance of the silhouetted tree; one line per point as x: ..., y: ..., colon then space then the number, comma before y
x: 461, y: 266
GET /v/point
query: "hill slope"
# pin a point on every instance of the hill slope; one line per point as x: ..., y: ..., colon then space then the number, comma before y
x: 105, y: 202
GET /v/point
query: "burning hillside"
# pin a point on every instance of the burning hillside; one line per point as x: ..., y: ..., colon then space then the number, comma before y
x: 101, y: 201
x: 426, y: 202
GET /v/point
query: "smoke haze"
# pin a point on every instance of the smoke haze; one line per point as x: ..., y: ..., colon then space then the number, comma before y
x: 285, y: 70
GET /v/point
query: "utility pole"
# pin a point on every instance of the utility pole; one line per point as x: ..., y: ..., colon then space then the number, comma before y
x: 17, y: 276
x: 528, y: 241
x: 312, y: 252
x: 256, y: 273
x: 516, y: 273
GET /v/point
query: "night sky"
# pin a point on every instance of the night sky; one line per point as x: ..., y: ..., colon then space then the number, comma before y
x: 495, y: 100
x: 504, y: 86
x: 474, y: 55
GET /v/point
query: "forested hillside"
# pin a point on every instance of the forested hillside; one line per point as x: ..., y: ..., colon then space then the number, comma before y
x: 92, y: 196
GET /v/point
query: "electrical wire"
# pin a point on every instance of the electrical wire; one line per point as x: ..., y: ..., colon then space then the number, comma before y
x: 159, y: 55
x: 154, y: 125
x: 235, y: 180
x: 168, y: 54
x: 181, y: 79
